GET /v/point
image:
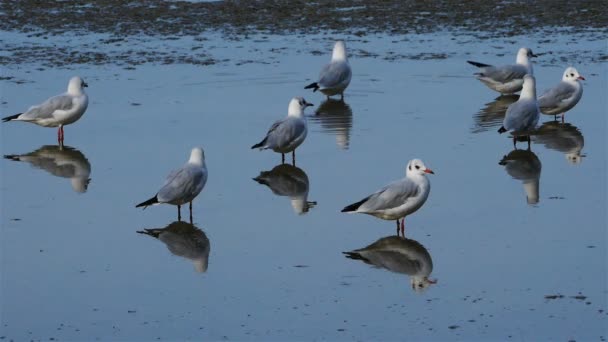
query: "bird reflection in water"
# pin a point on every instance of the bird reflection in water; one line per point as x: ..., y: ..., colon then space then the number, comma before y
x: 184, y: 240
x: 60, y: 161
x: 524, y: 165
x: 399, y: 255
x: 290, y: 181
x: 562, y: 137
x: 335, y: 117
x: 493, y: 113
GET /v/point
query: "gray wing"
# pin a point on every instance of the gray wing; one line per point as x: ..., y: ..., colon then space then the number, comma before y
x: 391, y: 196
x: 284, y: 132
x: 48, y: 107
x: 504, y: 73
x: 521, y: 115
x: 182, y: 184
x: 333, y: 74
x: 552, y: 97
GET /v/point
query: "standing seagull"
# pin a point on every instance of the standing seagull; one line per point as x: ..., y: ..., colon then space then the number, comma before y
x: 522, y: 116
x: 286, y: 135
x: 399, y: 198
x: 564, y: 96
x: 182, y: 185
x: 59, y: 110
x: 506, y: 79
x: 335, y: 76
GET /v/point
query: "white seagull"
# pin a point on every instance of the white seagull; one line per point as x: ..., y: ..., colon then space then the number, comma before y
x: 290, y: 181
x: 182, y: 185
x: 399, y: 198
x: 564, y: 96
x: 522, y: 116
x: 59, y: 110
x: 286, y: 135
x: 335, y: 76
x: 506, y: 79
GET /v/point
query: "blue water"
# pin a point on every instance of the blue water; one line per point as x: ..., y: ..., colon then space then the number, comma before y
x: 75, y: 268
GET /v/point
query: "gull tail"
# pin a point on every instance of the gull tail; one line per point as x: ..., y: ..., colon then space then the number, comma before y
x: 354, y: 206
x: 355, y: 256
x: 313, y: 86
x: 152, y: 232
x: 151, y: 201
x: 10, y: 118
x: 502, y: 129
x: 260, y: 144
x: 12, y: 157
x: 479, y: 65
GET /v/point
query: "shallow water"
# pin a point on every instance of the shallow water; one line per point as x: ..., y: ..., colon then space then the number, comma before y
x: 518, y: 250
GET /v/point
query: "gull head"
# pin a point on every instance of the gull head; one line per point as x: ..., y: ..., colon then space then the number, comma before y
x: 417, y: 168
x: 525, y: 53
x: 528, y: 90
x: 76, y: 85
x: 574, y: 158
x: 339, y: 52
x: 297, y: 106
x: 80, y: 184
x: 572, y: 75
x: 421, y: 284
x: 197, y: 156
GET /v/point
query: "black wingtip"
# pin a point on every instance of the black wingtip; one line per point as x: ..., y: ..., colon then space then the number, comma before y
x: 260, y: 144
x: 355, y: 256
x: 12, y: 157
x: 502, y: 129
x: 314, y: 86
x: 354, y: 206
x: 149, y: 202
x: 152, y: 232
x: 479, y: 65
x: 12, y: 117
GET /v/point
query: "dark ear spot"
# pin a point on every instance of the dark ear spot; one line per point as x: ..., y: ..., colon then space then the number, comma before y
x: 410, y: 167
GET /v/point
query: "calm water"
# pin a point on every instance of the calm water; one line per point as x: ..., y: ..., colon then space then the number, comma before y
x: 517, y: 239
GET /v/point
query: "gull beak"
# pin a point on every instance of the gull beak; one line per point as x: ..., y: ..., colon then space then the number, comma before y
x: 533, y: 55
x: 580, y: 78
x: 308, y: 104
x: 429, y: 171
x: 85, y: 84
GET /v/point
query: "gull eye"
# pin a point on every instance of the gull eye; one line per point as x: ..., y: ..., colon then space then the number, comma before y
x: 417, y: 167
x: 572, y: 75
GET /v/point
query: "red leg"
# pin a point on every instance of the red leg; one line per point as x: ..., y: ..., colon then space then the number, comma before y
x: 403, y: 227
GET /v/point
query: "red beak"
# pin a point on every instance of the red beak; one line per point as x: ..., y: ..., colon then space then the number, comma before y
x: 429, y: 171
x: 580, y: 78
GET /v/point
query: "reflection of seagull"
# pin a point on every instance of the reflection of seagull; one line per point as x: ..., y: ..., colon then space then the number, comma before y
x: 60, y: 161
x: 182, y: 185
x: 399, y: 255
x: 291, y: 181
x: 59, y: 110
x: 287, y: 134
x: 398, y: 199
x: 506, y: 79
x: 184, y: 240
x: 562, y: 137
x: 492, y: 114
x: 524, y: 165
x: 335, y: 117
x: 335, y: 76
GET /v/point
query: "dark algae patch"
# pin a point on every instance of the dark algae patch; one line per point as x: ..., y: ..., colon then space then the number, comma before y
x: 87, y: 32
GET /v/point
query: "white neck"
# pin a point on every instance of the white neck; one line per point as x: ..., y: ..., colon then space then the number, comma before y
x: 196, y: 157
x: 528, y: 90
x: 531, y: 188
x: 522, y: 59
x: 295, y: 109
x: 339, y: 53
x: 75, y: 89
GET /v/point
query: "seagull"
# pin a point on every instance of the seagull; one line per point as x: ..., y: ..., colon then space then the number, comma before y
x: 399, y: 198
x: 286, y: 135
x: 562, y: 137
x: 335, y: 117
x: 522, y: 116
x: 506, y: 79
x: 399, y: 255
x: 182, y: 185
x: 524, y: 165
x: 59, y: 110
x: 335, y: 76
x: 290, y: 181
x: 60, y: 161
x: 564, y: 96
x: 184, y: 240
